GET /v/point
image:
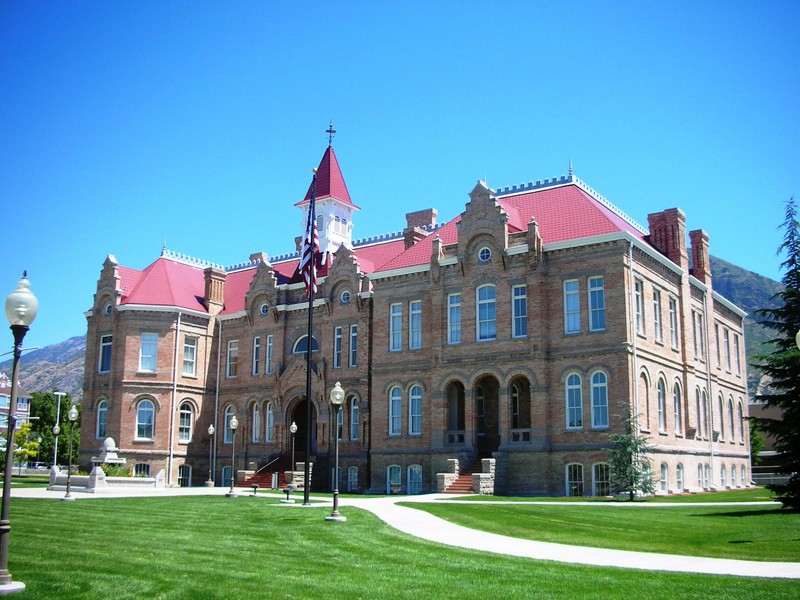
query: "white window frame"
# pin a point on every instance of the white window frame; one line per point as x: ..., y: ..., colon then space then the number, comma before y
x: 657, y: 328
x: 185, y: 422
x: 352, y: 479
x: 353, y: 356
x: 101, y: 422
x: 145, y: 430
x: 679, y: 483
x: 255, y: 420
x: 148, y: 352
x: 638, y: 295
x: 395, y: 410
x: 519, y: 311
x: 677, y: 403
x: 415, y: 410
x: 601, y: 476
x: 190, y: 355
x: 104, y: 358
x: 415, y: 324
x: 185, y: 476
x: 414, y: 479
x: 661, y: 392
x: 227, y: 435
x: 664, y: 481
x: 256, y: 353
x: 726, y: 336
x: 394, y: 475
x: 232, y: 359
x: 573, y: 479
x: 599, y: 400
x: 597, y: 303
x: 573, y: 392
x: 454, y: 318
x: 572, y: 306
x: 354, y: 419
x: 268, y: 366
x: 395, y: 327
x: 486, y: 313
x: 737, y: 360
x: 673, y: 321
x: 269, y: 425
x: 337, y: 347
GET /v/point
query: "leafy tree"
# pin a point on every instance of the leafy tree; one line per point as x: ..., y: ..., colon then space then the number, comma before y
x: 44, y: 406
x: 756, y: 443
x: 783, y: 365
x: 630, y: 468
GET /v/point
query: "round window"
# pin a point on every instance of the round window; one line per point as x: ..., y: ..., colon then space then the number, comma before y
x: 484, y: 254
x: 264, y: 308
x: 107, y: 308
x: 345, y: 297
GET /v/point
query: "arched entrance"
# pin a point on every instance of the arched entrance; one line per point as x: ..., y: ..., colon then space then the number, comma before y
x: 298, y: 416
x: 487, y: 416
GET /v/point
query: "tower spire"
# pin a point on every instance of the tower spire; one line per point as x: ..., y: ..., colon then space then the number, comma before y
x: 330, y: 131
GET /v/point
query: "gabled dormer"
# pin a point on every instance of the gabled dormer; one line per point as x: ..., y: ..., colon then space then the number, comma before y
x: 334, y: 208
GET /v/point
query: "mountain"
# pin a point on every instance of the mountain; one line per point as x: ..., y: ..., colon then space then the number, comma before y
x: 60, y: 366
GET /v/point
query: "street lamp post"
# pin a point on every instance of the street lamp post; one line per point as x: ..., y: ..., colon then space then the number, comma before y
x: 293, y: 429
x: 58, y: 396
x: 21, y: 309
x: 337, y: 398
x: 72, y: 416
x: 210, y: 482
x: 38, y: 449
x: 234, y: 423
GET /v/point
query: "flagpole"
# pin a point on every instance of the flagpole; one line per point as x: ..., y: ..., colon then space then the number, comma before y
x: 310, y: 289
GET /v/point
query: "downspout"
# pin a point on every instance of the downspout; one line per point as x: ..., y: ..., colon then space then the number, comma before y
x: 171, y: 456
x: 710, y: 406
x: 632, y: 324
x: 216, y: 406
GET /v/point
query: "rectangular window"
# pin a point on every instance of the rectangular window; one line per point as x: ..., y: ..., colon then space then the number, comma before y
x: 337, y: 347
x: 727, y: 348
x: 104, y: 365
x: 395, y: 327
x: 185, y: 423
x: 339, y: 423
x: 597, y: 304
x: 232, y: 362
x: 147, y: 352
x: 736, y: 356
x: 719, y: 345
x: 519, y: 311
x: 673, y: 322
x: 415, y: 324
x: 415, y: 411
x: 699, y: 338
x: 572, y: 307
x: 454, y: 318
x: 638, y: 292
x: 353, y: 345
x: 268, y: 367
x: 657, y: 315
x: 189, y: 356
x: 487, y: 315
x: 256, y: 354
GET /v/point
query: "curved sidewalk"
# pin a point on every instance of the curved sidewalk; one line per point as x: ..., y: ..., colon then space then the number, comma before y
x: 426, y: 526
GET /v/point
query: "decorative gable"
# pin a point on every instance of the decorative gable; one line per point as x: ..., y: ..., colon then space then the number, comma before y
x: 483, y: 222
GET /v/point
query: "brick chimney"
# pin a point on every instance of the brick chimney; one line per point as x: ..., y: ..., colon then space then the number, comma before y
x: 419, y: 225
x: 701, y: 266
x: 668, y: 235
x: 214, y: 289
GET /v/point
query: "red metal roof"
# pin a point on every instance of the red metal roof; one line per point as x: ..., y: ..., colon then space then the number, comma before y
x: 330, y: 181
x: 165, y: 283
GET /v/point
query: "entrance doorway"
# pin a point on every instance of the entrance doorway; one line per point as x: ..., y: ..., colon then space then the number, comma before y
x: 487, y: 416
x: 298, y: 416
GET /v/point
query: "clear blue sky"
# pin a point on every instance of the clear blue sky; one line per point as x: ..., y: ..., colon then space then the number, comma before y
x: 125, y: 124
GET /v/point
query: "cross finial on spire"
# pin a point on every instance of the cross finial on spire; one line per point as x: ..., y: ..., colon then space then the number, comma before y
x: 330, y: 131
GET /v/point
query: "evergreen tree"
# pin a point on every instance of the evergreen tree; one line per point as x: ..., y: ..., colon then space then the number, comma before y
x: 631, y: 472
x: 783, y: 365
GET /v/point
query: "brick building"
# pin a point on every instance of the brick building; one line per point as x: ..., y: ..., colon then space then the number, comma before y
x: 521, y: 330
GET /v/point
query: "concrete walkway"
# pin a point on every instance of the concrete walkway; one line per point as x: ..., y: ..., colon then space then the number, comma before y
x: 423, y: 525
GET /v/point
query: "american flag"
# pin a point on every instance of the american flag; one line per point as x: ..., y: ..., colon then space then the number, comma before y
x: 308, y: 261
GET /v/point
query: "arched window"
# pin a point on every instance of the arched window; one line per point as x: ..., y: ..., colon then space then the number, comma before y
x: 679, y: 477
x: 705, y: 409
x: 733, y: 476
x: 721, y: 417
x: 707, y: 476
x: 664, y: 482
x: 228, y: 433
x: 352, y: 479
x: 255, y: 419
x: 393, y: 483
x: 102, y: 418
x: 339, y: 424
x: 415, y: 411
x: 662, y: 406
x: 676, y: 401
x: 700, y: 476
x: 574, y: 404
x: 514, y: 406
x: 723, y: 476
x: 601, y: 479
x: 145, y: 420
x: 699, y: 413
x: 395, y: 402
x: 599, y: 400
x: 185, y: 422
x: 740, y: 418
x: 226, y: 476
x: 269, y: 426
x: 731, y: 421
x: 414, y: 479
x: 185, y: 476
x: 742, y: 475
x: 354, y: 424
x: 486, y: 313
x: 301, y: 345
x: 574, y: 479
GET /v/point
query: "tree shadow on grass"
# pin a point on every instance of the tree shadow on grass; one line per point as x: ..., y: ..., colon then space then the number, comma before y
x: 746, y: 513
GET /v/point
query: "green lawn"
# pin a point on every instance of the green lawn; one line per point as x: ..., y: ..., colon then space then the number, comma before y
x: 764, y: 532
x: 216, y: 547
